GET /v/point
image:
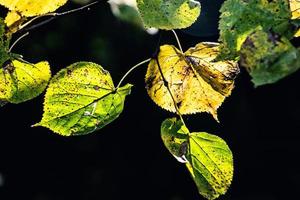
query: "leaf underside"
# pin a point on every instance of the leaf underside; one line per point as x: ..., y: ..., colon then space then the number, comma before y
x: 207, y: 157
x: 196, y: 82
x: 164, y: 14
x: 82, y: 99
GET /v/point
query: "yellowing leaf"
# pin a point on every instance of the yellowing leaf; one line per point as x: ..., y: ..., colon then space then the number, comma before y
x: 196, y: 81
x: 269, y: 57
x: 207, y: 157
x: 240, y: 17
x: 20, y: 81
x: 11, y: 18
x: 82, y: 99
x: 175, y: 14
x: 295, y: 8
x: 30, y: 8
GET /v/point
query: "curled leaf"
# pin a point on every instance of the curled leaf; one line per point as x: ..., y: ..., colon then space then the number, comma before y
x: 20, y: 81
x: 207, y: 157
x: 239, y: 18
x: 269, y: 57
x: 164, y: 14
x: 82, y: 99
x: 195, y: 81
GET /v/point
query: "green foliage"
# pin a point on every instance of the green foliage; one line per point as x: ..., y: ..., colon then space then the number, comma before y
x: 82, y: 99
x: 239, y: 18
x: 207, y: 157
x: 269, y: 57
x: 164, y: 14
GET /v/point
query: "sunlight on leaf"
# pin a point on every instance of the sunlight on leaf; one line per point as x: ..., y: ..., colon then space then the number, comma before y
x: 82, y: 99
x: 269, y: 57
x: 195, y: 80
x: 30, y: 8
x: 20, y: 81
x: 207, y: 157
x: 11, y: 18
x: 239, y: 18
x: 176, y: 14
x: 20, y: 9
x: 295, y: 8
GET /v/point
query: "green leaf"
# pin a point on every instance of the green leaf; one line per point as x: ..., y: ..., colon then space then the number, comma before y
x: 165, y: 14
x: 239, y: 18
x: 207, y: 157
x: 4, y: 43
x: 82, y: 99
x: 20, y: 81
x: 269, y: 57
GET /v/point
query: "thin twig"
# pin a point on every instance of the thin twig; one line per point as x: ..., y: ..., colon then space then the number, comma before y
x: 166, y: 84
x: 18, y: 40
x: 54, y: 15
x: 178, y: 42
x: 131, y: 69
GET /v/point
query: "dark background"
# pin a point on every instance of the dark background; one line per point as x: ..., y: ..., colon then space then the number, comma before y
x: 127, y: 159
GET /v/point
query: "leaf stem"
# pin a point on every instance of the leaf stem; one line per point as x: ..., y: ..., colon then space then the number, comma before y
x: 130, y: 70
x: 177, y: 39
x: 54, y: 15
x: 166, y: 84
x: 16, y: 42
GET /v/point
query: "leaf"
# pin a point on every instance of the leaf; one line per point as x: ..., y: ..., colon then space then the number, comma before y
x: 165, y: 14
x: 295, y: 9
x: 12, y: 17
x: 239, y: 18
x: 20, y: 81
x: 30, y: 8
x: 196, y: 82
x: 207, y: 157
x: 4, y: 43
x: 82, y: 99
x: 269, y: 57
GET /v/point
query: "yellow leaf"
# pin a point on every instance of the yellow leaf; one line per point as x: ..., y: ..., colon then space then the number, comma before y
x: 11, y: 18
x: 30, y: 8
x: 20, y: 81
x: 295, y: 8
x: 193, y: 79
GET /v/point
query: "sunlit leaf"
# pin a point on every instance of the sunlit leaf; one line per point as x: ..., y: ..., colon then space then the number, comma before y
x: 239, y: 18
x: 269, y: 57
x: 20, y: 81
x: 82, y: 99
x: 196, y: 82
x: 31, y: 8
x: 295, y: 8
x: 175, y: 14
x: 207, y: 157
x: 12, y: 17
